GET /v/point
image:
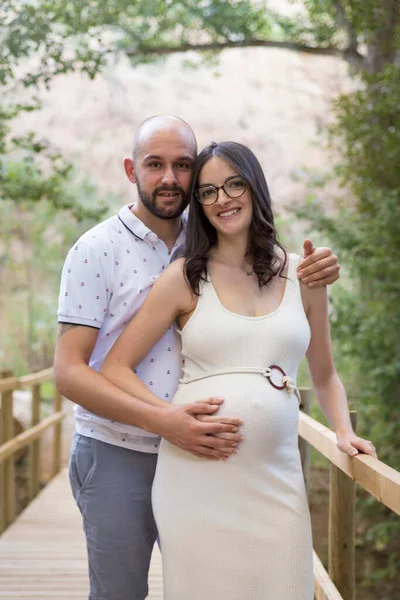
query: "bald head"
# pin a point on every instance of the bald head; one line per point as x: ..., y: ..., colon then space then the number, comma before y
x: 163, y: 125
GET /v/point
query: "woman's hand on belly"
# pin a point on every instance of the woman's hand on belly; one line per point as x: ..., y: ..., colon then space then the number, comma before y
x: 228, y: 421
x: 194, y: 428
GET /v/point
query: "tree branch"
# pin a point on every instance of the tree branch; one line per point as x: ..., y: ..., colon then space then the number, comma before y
x: 350, y: 55
x: 343, y: 21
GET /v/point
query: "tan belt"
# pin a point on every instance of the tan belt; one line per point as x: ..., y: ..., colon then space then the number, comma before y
x: 287, y: 383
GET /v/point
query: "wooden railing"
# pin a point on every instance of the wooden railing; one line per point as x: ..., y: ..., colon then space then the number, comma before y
x: 10, y: 444
x: 377, y: 478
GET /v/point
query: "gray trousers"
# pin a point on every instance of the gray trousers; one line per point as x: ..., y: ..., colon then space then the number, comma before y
x: 112, y: 488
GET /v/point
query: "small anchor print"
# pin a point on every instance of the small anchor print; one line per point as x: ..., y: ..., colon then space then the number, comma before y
x: 151, y: 383
x: 134, y: 271
x: 152, y: 360
x: 145, y: 260
x: 86, y: 261
x: 167, y: 395
x: 140, y: 291
x: 66, y: 293
x: 116, y: 262
x: 168, y: 372
x: 97, y: 297
x: 119, y: 231
x: 128, y: 251
x: 80, y: 306
x: 98, y: 275
x: 83, y: 283
x: 121, y: 284
x: 69, y: 270
x: 135, y: 370
x: 169, y: 349
x: 124, y: 303
x: 105, y: 253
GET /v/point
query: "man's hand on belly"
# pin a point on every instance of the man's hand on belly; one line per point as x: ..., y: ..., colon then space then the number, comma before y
x: 196, y: 429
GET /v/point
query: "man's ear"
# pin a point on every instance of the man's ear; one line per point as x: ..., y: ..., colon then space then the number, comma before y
x: 130, y: 170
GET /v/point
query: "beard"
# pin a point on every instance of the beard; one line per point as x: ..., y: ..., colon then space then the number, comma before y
x: 164, y: 212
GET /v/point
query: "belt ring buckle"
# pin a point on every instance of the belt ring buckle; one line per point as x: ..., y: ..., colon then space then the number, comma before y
x: 277, y: 387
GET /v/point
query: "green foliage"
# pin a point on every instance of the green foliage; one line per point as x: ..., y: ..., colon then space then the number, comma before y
x: 35, y: 239
x: 366, y: 232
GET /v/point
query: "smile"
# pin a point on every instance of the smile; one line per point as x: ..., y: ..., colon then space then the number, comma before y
x: 169, y: 194
x: 229, y: 213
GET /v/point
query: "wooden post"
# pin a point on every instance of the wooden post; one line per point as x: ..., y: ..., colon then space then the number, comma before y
x: 342, y: 529
x: 304, y: 446
x: 57, y: 406
x: 8, y: 506
x: 34, y: 449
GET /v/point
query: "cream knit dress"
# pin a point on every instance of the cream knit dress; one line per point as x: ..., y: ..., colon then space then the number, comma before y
x: 239, y: 529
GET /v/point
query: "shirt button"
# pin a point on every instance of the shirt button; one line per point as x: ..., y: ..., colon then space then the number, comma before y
x: 152, y: 237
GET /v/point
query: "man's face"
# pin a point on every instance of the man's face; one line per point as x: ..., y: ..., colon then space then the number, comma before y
x: 163, y: 171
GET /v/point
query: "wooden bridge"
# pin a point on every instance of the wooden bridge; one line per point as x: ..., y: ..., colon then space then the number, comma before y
x: 42, y: 550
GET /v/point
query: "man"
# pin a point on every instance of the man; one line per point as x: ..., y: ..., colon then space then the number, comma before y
x: 105, y: 280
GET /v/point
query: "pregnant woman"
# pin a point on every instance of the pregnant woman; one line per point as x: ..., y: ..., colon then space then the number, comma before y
x: 237, y: 529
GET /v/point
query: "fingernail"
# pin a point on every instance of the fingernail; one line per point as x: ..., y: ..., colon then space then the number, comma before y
x: 219, y: 398
x: 300, y: 273
x: 235, y: 429
x: 353, y: 452
x: 305, y: 280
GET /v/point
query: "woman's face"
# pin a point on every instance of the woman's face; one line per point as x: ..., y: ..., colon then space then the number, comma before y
x: 229, y: 216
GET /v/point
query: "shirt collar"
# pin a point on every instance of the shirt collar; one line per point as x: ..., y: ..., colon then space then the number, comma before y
x: 140, y: 230
x: 131, y: 222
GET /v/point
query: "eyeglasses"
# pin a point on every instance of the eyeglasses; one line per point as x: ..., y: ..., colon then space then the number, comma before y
x: 234, y: 187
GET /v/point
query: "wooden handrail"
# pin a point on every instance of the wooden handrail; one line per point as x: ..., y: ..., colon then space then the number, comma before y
x: 10, y: 444
x: 8, y: 385
x: 28, y: 381
x: 324, y: 588
x: 380, y: 480
x: 28, y: 436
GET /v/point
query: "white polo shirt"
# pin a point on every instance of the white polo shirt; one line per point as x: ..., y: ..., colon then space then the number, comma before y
x: 105, y: 280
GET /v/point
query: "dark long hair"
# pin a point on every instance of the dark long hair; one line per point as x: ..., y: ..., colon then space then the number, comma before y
x: 201, y: 236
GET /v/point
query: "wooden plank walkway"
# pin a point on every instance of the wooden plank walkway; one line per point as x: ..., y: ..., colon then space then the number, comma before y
x: 42, y: 555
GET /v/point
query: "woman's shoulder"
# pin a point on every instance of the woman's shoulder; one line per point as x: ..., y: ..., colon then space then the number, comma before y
x: 175, y: 272
x: 174, y: 279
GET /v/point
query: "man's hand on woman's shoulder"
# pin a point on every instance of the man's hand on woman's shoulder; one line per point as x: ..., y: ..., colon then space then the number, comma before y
x: 318, y: 267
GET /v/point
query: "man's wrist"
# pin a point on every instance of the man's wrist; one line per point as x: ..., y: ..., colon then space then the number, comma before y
x: 155, y: 420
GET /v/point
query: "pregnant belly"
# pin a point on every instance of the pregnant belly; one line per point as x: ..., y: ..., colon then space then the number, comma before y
x: 270, y: 416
